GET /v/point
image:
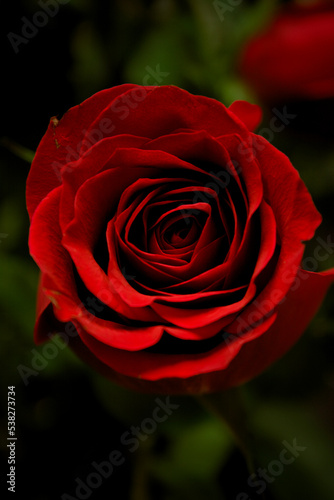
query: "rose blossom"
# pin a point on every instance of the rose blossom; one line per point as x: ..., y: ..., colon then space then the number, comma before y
x: 292, y: 58
x: 169, y: 238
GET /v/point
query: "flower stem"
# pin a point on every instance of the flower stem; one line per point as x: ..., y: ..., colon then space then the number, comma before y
x: 228, y: 407
x: 139, y: 484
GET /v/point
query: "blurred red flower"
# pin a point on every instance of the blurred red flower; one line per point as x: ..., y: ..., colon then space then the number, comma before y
x: 292, y: 58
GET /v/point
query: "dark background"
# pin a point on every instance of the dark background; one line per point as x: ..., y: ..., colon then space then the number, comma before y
x: 67, y: 416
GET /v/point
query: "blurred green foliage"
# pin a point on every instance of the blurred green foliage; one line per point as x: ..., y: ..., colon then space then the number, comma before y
x: 68, y: 416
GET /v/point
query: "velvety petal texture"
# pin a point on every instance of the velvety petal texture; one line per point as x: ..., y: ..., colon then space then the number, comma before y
x: 170, y: 238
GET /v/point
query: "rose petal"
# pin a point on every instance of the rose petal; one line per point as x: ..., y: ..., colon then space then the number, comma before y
x: 120, y: 336
x: 51, y: 257
x: 180, y: 110
x: 97, y: 159
x: 46, y: 323
x: 197, y: 317
x: 296, y: 218
x: 250, y: 114
x: 154, y: 366
x: 293, y: 315
x: 62, y: 141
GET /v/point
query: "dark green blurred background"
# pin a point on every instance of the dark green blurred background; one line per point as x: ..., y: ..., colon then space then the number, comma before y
x: 67, y: 415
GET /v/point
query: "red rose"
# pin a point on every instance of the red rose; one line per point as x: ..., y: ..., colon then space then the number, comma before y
x: 171, y: 237
x: 293, y: 57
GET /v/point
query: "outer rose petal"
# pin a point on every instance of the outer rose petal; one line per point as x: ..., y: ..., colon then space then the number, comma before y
x: 153, y: 366
x: 48, y: 253
x: 179, y: 109
x: 58, y: 284
x: 250, y: 114
x: 293, y: 315
x: 46, y: 322
x: 62, y: 141
x: 296, y: 219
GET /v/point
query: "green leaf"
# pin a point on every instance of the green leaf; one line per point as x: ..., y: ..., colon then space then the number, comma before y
x: 18, y: 150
